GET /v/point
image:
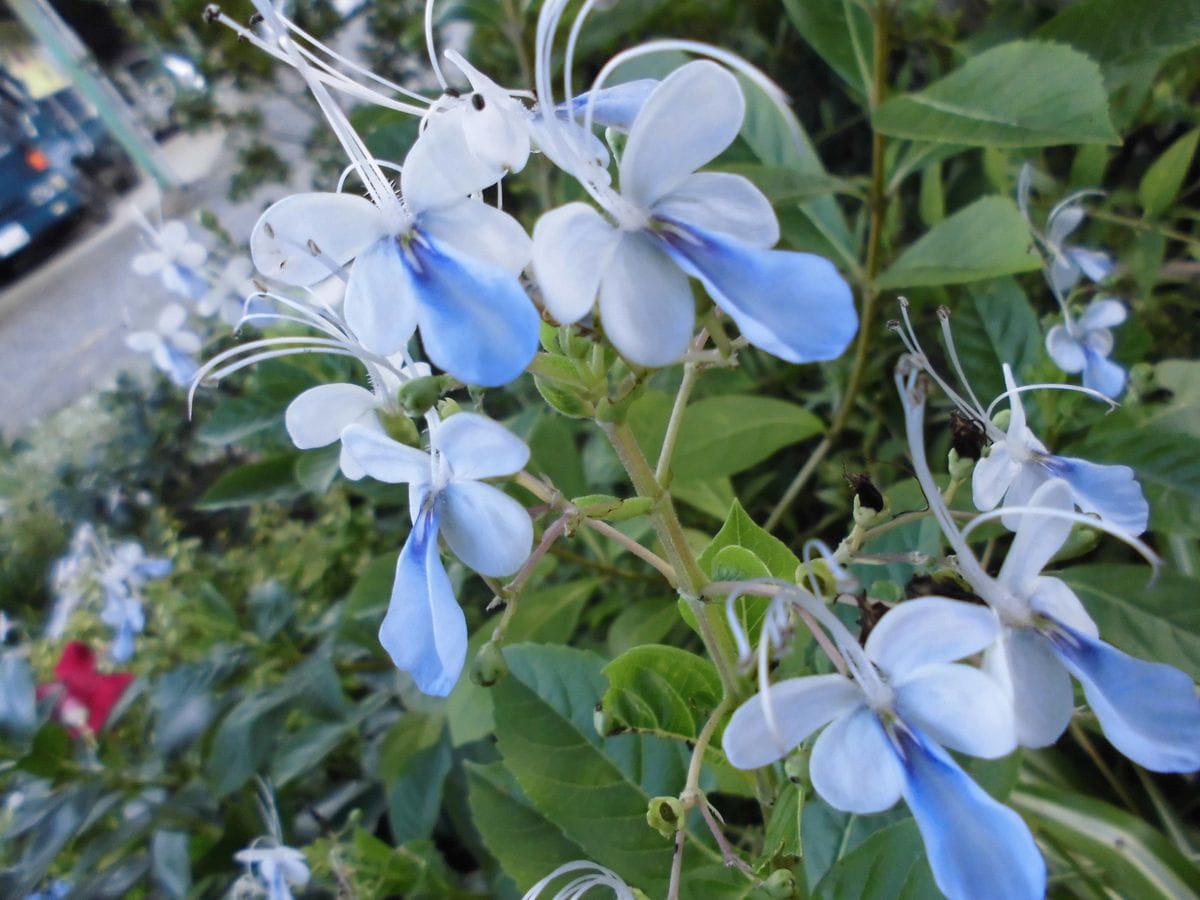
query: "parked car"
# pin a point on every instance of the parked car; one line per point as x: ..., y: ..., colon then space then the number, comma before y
x: 158, y: 87
x: 35, y: 196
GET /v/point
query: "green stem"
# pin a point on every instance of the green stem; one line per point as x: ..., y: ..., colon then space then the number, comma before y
x: 691, y: 374
x: 877, y: 201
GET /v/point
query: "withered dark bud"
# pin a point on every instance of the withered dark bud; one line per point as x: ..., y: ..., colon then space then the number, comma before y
x: 255, y: 19
x: 212, y: 12
x: 869, y: 613
x: 868, y: 495
x: 966, y: 436
x: 477, y: 101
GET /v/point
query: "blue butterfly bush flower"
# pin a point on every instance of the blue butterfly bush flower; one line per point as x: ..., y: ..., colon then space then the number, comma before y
x: 884, y: 733
x: 1083, y: 345
x: 669, y: 222
x: 170, y: 344
x: 276, y: 868
x: 1149, y: 711
x: 1068, y: 262
x: 174, y: 257
x: 424, y: 631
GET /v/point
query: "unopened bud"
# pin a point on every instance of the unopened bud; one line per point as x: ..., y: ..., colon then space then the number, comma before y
x: 401, y: 428
x: 665, y: 815
x: 447, y: 407
x: 781, y: 884
x: 795, y: 767
x: 489, y: 665
x: 418, y: 395
x: 960, y: 468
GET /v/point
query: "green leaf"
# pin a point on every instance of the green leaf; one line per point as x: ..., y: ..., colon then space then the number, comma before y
x: 244, y: 740
x: 1133, y: 859
x: 1161, y: 183
x: 1158, y: 621
x: 257, y: 482
x: 724, y: 435
x: 740, y: 530
x: 171, y: 863
x: 1182, y: 378
x: 661, y: 690
x: 738, y: 564
x: 841, y: 33
x: 305, y: 748
x: 415, y: 796
x: 239, y: 417
x: 316, y: 469
x: 783, y: 837
x: 526, y: 844
x: 646, y: 622
x: 713, y: 496
x: 1019, y: 94
x: 995, y: 325
x: 984, y: 240
x: 889, y: 865
x: 782, y: 185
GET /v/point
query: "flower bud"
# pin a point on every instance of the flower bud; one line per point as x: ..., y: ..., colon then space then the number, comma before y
x: 418, y: 395
x: 401, y: 428
x: 447, y: 407
x: 781, y: 883
x: 960, y: 467
x: 489, y: 665
x: 665, y: 815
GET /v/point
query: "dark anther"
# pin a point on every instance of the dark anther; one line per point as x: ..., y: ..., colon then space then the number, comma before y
x: 869, y: 613
x: 255, y: 19
x: 868, y: 495
x: 268, y: 230
x: 477, y: 101
x: 313, y: 248
x: 453, y: 92
x: 212, y: 12
x: 966, y: 436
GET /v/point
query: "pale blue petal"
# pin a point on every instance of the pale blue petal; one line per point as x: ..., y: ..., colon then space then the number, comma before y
x: 487, y: 529
x: 385, y: 459
x: 317, y: 417
x: 793, y: 305
x: 477, y: 447
x: 646, y: 304
x: 799, y: 706
x: 476, y: 321
x: 154, y: 567
x: 1093, y: 263
x: 340, y: 225
x: 961, y: 708
x: 184, y: 281
x: 992, y: 477
x: 1038, y: 537
x: 1024, y: 663
x: 1149, y: 711
x: 380, y: 307
x: 853, y: 765
x: 724, y: 203
x: 1065, y: 350
x: 978, y: 849
x: 122, y: 648
x: 1103, y: 312
x: 616, y: 106
x: 927, y: 631
x: 424, y: 631
x: 1108, y: 491
x: 1102, y: 374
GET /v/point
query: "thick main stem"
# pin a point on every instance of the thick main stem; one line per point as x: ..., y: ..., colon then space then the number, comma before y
x: 877, y: 202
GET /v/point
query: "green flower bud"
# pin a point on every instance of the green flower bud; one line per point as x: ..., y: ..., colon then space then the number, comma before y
x: 401, y: 428
x: 781, y: 883
x: 419, y: 395
x: 489, y: 665
x: 960, y: 468
x: 665, y: 815
x: 447, y: 407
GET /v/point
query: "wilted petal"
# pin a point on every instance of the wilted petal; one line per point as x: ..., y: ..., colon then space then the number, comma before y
x: 854, y: 766
x: 930, y: 630
x: 793, y: 305
x: 487, y: 529
x: 572, y: 246
x: 424, y: 631
x: 694, y: 114
x: 1025, y: 664
x: 1111, y: 492
x: 476, y: 447
x: 476, y: 321
x: 724, y: 203
x: 645, y: 302
x: 340, y: 225
x: 799, y: 706
x: 978, y: 849
x: 479, y: 231
x: 317, y: 416
x: 961, y: 708
x: 380, y: 308
x: 1065, y: 350
x: 1149, y: 711
x: 1103, y: 375
x: 1038, y: 537
x: 384, y: 459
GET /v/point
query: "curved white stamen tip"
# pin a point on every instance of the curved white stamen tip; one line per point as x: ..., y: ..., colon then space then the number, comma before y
x: 735, y: 626
x: 1088, y: 521
x: 843, y: 580
x: 1051, y: 386
x: 431, y: 46
x: 598, y: 876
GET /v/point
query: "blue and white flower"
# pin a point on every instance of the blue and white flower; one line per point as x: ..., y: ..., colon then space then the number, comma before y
x: 884, y: 733
x: 174, y: 257
x: 1068, y: 262
x: 1149, y: 711
x: 1083, y: 345
x: 276, y: 868
x: 424, y: 631
x: 171, y: 345
x: 670, y: 222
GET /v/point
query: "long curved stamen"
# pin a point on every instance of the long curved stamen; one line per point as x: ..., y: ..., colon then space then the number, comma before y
x: 844, y: 581
x: 735, y: 627
x: 861, y: 668
x: 1052, y: 386
x: 1072, y: 198
x: 325, y: 320
x: 431, y: 46
x: 1125, y: 537
x: 948, y: 339
x: 262, y: 357
x: 569, y: 58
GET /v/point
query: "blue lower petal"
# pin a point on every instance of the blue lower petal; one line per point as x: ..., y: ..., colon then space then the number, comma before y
x: 184, y: 281
x: 613, y: 107
x: 794, y: 305
x: 1149, y: 711
x: 179, y: 366
x: 122, y: 648
x: 1110, y: 492
x: 476, y: 321
x: 1101, y: 374
x: 424, y: 631
x: 977, y: 848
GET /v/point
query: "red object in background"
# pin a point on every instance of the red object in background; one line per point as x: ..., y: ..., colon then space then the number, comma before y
x: 82, y: 690
x: 38, y: 161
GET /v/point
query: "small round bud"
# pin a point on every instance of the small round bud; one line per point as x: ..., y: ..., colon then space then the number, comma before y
x: 1002, y: 418
x: 447, y: 407
x: 665, y: 815
x: 489, y: 665
x: 401, y: 428
x: 418, y: 395
x: 781, y: 883
x: 960, y: 467
x: 795, y: 767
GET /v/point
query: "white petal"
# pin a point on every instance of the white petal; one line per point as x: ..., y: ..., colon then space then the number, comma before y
x: 172, y: 237
x: 928, y: 631
x: 725, y: 203
x: 1038, y: 537
x: 1103, y: 312
x: 1031, y: 475
x: 854, y: 766
x: 480, y: 231
x: 1063, y: 274
x: 187, y: 341
x: 1065, y: 350
x: 487, y: 529
x: 340, y: 225
x: 572, y: 246
x: 380, y: 308
x: 440, y: 169
x: 171, y: 318
x: 691, y: 117
x: 476, y: 447
x: 148, y: 263
x: 992, y: 477
x: 1052, y: 597
x: 961, y: 708
x: 1063, y: 223
x: 646, y: 303
x: 1024, y: 662
x: 385, y: 459
x: 799, y: 706
x: 317, y: 417
x: 143, y: 341
x: 192, y: 255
